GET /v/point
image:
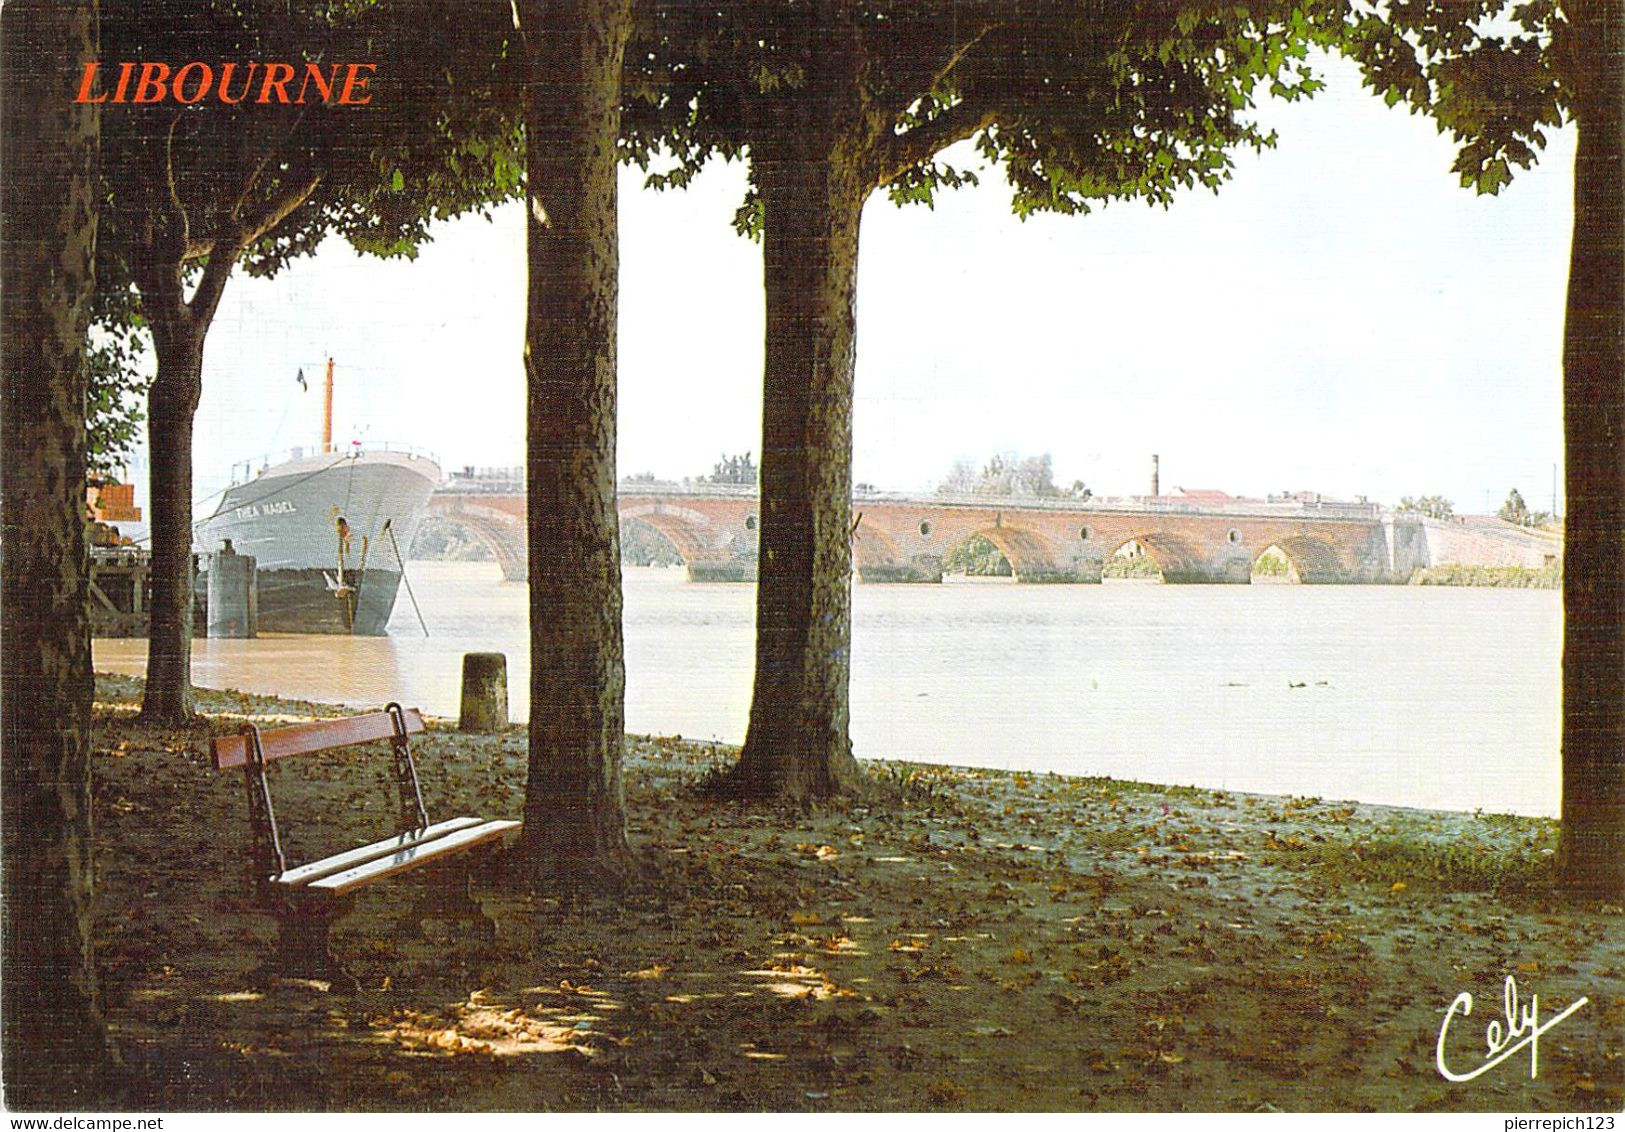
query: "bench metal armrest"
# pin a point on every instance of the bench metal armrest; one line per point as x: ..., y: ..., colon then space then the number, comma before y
x: 412, y: 814
x: 265, y: 854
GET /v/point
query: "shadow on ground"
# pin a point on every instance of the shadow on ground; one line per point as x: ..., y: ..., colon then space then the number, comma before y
x: 959, y: 939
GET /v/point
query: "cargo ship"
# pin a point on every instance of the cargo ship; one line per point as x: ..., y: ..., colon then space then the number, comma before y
x: 328, y: 529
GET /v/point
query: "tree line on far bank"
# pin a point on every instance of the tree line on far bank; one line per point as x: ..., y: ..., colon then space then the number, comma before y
x: 829, y: 102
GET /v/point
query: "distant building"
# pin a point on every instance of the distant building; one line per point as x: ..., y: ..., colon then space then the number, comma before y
x: 1201, y: 496
x: 1310, y: 497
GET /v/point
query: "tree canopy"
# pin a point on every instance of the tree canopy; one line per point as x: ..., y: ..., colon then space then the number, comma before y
x: 1515, y: 510
x: 264, y: 183
x: 1433, y: 506
x: 733, y: 470
x: 438, y: 137
x: 1496, y: 75
x: 1077, y: 103
x: 115, y: 387
x: 1009, y: 474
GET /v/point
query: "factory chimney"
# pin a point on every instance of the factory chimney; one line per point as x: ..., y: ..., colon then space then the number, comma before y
x: 1156, y: 487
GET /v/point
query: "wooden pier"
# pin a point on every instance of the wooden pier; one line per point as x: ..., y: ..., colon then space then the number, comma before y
x: 120, y: 590
x: 121, y: 593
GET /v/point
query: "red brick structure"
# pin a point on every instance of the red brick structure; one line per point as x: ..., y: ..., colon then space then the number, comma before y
x: 899, y: 539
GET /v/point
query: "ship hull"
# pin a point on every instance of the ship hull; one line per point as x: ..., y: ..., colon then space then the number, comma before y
x: 299, y: 601
x: 326, y: 533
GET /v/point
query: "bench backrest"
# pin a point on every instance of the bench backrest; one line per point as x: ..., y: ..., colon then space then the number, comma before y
x: 308, y: 738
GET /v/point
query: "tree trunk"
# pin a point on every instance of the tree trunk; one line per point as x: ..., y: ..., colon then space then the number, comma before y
x: 575, y: 818
x: 797, y: 744
x: 1593, y: 834
x: 55, y: 1051
x: 171, y: 405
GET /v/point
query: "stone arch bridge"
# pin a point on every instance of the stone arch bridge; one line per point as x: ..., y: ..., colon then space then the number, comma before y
x: 901, y: 539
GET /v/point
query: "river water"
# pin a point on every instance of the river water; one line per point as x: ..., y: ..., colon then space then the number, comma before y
x: 1434, y: 697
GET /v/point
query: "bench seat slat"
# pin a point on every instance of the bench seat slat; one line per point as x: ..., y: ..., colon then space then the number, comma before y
x: 306, y: 738
x: 327, y: 866
x: 411, y: 857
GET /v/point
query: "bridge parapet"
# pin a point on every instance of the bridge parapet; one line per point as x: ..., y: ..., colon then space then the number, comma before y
x: 502, y: 481
x: 484, y: 481
x: 1241, y: 508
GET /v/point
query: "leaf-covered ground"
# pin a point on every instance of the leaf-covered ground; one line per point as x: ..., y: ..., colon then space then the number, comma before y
x: 957, y: 939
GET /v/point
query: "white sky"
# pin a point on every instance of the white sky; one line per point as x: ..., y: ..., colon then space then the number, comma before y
x: 1342, y: 317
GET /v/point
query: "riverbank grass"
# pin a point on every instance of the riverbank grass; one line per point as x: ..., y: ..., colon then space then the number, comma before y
x: 1549, y: 577
x: 955, y: 939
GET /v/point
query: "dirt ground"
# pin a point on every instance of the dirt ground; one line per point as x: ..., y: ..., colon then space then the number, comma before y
x: 959, y: 939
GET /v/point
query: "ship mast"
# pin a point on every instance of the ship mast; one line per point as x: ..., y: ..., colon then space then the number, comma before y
x: 327, y: 411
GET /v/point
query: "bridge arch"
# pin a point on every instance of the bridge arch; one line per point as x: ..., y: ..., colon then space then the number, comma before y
x: 1033, y: 556
x: 688, y: 531
x: 1176, y: 557
x: 1311, y: 559
x: 709, y: 551
x: 641, y: 540
x: 501, y: 533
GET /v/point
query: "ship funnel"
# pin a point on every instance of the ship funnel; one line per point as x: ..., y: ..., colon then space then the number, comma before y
x: 327, y: 410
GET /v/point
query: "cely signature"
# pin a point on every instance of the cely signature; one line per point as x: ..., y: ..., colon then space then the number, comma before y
x: 1523, y: 1027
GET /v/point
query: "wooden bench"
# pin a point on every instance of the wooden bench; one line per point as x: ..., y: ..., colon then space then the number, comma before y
x: 307, y: 899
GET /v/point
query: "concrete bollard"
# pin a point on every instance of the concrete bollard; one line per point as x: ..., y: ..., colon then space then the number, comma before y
x: 233, y: 594
x: 485, y: 692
